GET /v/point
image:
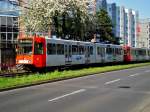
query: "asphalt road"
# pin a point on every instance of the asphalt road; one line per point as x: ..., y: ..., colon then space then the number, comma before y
x: 118, y: 91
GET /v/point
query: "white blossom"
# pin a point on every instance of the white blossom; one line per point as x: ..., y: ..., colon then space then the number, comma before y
x: 38, y: 16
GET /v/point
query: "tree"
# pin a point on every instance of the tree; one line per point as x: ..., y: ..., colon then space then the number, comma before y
x: 42, y: 15
x: 73, y: 19
x: 104, y: 26
x: 38, y: 16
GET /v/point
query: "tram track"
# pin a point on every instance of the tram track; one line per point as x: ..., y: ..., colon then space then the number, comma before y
x: 11, y: 74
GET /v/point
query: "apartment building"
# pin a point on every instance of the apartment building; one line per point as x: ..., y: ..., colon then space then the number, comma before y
x: 96, y: 5
x: 101, y: 4
x: 125, y: 22
x: 112, y: 12
x: 144, y: 33
x: 8, y: 32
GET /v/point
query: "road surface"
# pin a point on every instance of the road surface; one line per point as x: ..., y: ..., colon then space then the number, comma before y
x: 119, y: 91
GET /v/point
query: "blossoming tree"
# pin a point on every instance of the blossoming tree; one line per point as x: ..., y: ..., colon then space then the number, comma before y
x: 40, y: 14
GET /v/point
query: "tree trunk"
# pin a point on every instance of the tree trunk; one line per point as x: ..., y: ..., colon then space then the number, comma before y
x: 49, y: 32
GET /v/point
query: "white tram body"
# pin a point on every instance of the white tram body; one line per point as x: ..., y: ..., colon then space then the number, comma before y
x: 61, y: 52
x: 41, y: 52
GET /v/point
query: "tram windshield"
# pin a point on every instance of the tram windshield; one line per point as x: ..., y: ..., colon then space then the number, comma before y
x: 25, y: 47
x: 38, y: 48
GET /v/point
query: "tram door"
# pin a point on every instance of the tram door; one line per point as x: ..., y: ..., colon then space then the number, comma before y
x: 87, y: 54
x: 68, y: 54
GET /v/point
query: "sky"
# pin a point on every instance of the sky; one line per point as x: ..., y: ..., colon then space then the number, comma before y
x: 143, y: 6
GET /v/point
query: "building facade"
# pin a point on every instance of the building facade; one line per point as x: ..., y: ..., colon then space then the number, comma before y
x: 101, y: 4
x: 8, y: 32
x: 129, y: 24
x: 112, y: 12
x: 91, y: 6
x: 96, y: 5
x: 144, y: 34
x: 125, y: 22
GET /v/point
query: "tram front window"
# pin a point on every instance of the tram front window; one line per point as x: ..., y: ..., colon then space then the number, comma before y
x: 38, y: 48
x: 25, y: 47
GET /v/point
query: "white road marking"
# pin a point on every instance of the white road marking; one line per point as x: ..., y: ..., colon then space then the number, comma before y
x: 103, y: 73
x: 75, y: 92
x: 133, y: 75
x: 110, y: 82
x: 91, y: 87
x: 147, y: 71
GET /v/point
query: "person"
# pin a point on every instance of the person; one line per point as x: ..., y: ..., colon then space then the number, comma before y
x: 94, y: 38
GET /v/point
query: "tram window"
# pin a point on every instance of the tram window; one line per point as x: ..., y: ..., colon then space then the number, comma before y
x: 70, y: 51
x: 149, y: 53
x: 115, y: 51
x: 109, y: 50
x: 135, y: 51
x: 24, y: 50
x: 98, y: 50
x: 51, y: 49
x: 38, y: 48
x: 103, y: 53
x: 144, y: 52
x: 120, y: 51
x: 81, y: 50
x: 91, y: 50
x: 24, y: 47
x: 139, y: 52
x: 66, y: 49
x: 74, y: 49
x: 60, y: 49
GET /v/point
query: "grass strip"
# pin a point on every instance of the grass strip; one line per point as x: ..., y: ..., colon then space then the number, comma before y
x: 21, y: 81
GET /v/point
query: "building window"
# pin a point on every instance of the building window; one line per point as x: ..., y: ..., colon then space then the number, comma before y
x: 9, y: 21
x: 15, y: 22
x: 9, y: 36
x: 8, y: 30
x: 3, y: 29
x: 3, y: 21
x: 15, y: 35
x: 3, y: 36
x: 109, y: 9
